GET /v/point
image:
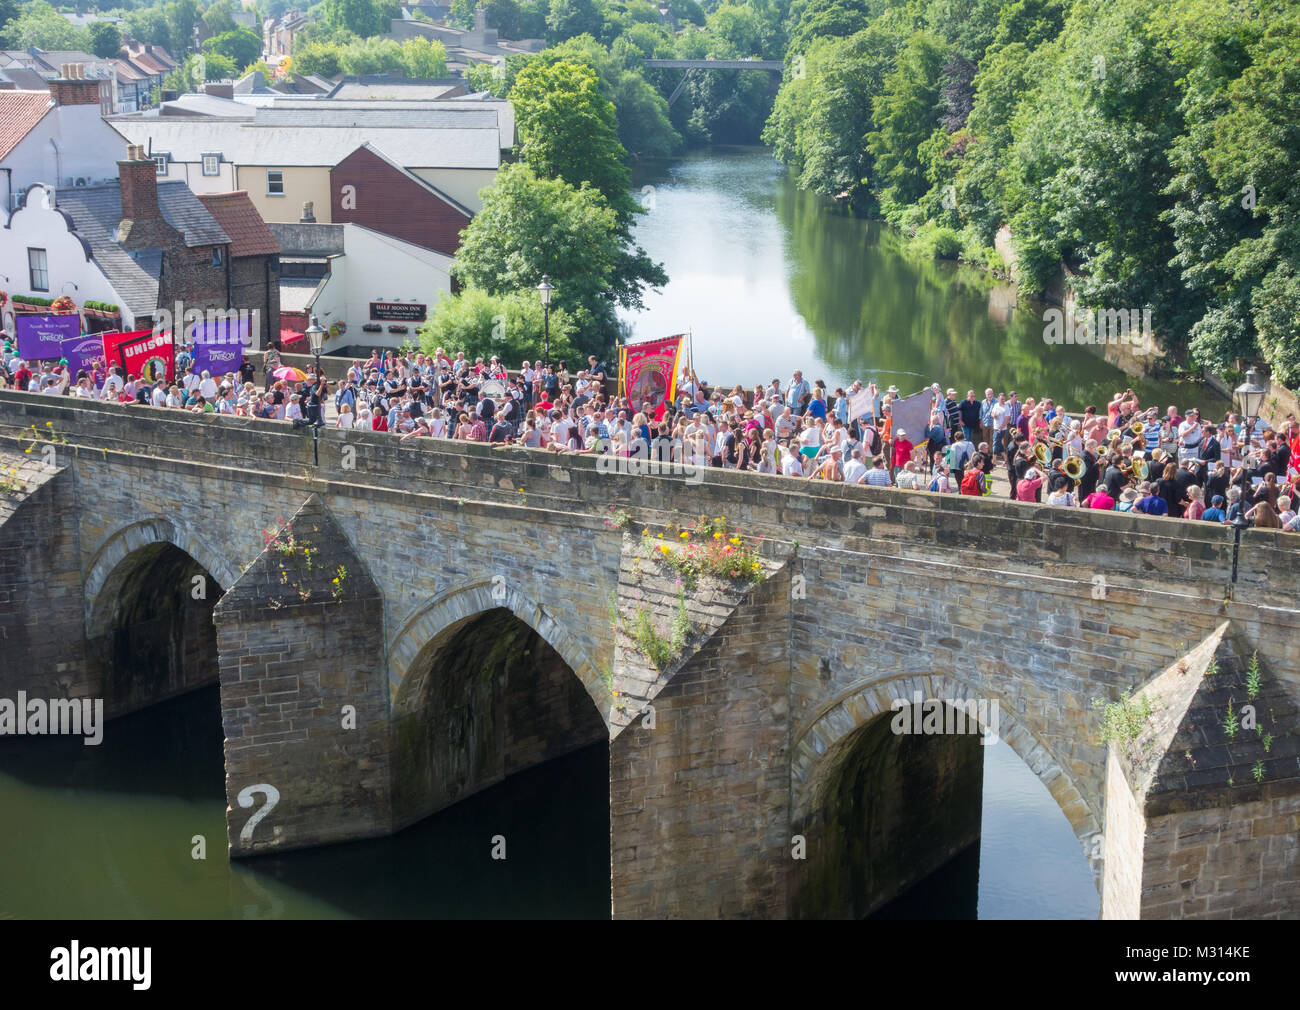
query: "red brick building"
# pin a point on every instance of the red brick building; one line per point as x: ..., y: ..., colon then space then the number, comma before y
x: 368, y: 189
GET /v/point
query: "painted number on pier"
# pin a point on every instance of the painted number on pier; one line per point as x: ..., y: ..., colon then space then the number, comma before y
x: 245, y: 799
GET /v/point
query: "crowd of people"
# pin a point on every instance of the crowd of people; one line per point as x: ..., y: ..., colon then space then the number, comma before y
x: 1121, y: 456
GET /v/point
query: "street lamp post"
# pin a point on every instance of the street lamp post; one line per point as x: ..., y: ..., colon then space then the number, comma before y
x: 545, y: 289
x: 316, y: 338
x: 1250, y: 398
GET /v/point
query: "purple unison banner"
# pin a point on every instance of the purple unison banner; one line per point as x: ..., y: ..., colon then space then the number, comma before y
x: 41, y: 337
x: 85, y: 352
x: 219, y: 344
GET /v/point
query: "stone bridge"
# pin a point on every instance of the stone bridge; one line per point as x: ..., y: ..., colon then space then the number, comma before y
x: 429, y: 618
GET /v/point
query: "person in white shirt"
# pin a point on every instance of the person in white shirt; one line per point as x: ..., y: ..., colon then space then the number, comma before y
x: 791, y: 464
x: 855, y: 470
x: 83, y: 389
x: 159, y: 397
x: 345, y: 419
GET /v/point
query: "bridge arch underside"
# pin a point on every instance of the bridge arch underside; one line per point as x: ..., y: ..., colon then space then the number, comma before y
x: 883, y: 800
x: 485, y: 698
x: 149, y: 632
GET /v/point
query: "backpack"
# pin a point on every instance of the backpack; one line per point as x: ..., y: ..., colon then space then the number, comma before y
x: 970, y: 484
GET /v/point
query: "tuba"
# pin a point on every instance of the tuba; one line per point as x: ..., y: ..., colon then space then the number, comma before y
x: 1073, y: 468
x: 1042, y: 453
x: 1137, y: 428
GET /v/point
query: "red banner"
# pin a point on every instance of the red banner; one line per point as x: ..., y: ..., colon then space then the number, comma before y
x: 142, y: 354
x: 647, y: 373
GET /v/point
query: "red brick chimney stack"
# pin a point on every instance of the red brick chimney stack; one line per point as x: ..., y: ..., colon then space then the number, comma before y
x: 142, y: 226
x: 73, y: 87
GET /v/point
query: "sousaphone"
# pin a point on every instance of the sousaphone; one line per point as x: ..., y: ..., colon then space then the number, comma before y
x: 493, y: 388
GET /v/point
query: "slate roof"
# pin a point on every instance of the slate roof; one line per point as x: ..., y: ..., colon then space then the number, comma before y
x: 331, y: 116
x: 20, y: 111
x: 96, y: 212
x: 238, y: 218
x: 24, y: 78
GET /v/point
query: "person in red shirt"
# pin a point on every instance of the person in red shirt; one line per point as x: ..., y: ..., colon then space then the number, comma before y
x: 1099, y: 499
x: 902, y: 448
x: 1027, y: 489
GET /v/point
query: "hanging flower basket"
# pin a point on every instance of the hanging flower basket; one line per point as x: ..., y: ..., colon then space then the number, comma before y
x: 399, y: 329
x: 63, y: 305
x: 372, y: 328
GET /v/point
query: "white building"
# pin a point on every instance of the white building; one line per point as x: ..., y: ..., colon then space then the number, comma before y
x: 370, y: 279
x: 56, y: 137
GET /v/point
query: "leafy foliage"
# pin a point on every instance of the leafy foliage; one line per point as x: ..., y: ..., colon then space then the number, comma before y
x: 509, y: 326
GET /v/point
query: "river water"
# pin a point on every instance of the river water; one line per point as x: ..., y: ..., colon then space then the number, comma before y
x: 769, y: 280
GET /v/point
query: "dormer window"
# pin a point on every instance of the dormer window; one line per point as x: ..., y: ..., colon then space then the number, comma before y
x: 160, y: 160
x: 212, y: 164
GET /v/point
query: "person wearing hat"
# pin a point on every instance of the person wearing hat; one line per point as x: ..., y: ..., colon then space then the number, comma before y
x: 902, y: 449
x: 1030, y: 487
x: 1126, y: 499
x: 1215, y: 513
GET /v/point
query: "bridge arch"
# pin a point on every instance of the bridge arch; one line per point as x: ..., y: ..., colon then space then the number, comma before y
x: 107, y: 570
x: 821, y: 746
x: 149, y: 594
x: 443, y: 616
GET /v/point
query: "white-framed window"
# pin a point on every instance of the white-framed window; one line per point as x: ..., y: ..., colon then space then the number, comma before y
x: 161, y: 161
x: 212, y: 164
x: 274, y: 182
x: 39, y: 270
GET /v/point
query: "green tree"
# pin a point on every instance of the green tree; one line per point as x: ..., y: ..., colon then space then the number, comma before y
x: 371, y: 56
x: 363, y: 17
x: 182, y: 16
x: 105, y: 39
x: 531, y: 225
x: 149, y: 24
x: 822, y: 117
x: 424, y: 58
x: 219, y: 18
x: 507, y: 325
x: 218, y: 67
x: 321, y: 58
x: 40, y: 26
x: 461, y: 14
x: 906, y: 114
x: 570, y: 132
x: 505, y: 16
x: 241, y: 46
x: 568, y: 18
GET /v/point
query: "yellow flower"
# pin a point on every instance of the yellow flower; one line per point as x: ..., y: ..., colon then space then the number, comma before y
x: 665, y: 548
x: 717, y: 536
x: 685, y: 536
x: 336, y: 581
x: 49, y: 424
x: 734, y: 540
x: 661, y: 536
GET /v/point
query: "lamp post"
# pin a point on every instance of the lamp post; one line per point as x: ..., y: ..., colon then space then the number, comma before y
x: 316, y: 338
x: 1250, y: 397
x: 545, y: 289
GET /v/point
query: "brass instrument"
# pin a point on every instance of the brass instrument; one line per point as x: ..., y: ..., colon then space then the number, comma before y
x: 1042, y: 453
x: 1073, y: 467
x: 1137, y: 428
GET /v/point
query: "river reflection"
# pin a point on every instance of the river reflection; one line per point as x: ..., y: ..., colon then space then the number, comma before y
x: 770, y: 279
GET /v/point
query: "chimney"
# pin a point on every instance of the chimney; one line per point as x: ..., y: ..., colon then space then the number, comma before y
x: 219, y: 90
x: 307, y: 216
x: 72, y: 87
x: 142, y: 225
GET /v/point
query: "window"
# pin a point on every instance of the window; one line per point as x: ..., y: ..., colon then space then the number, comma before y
x: 274, y: 182
x: 216, y: 256
x: 161, y: 161
x: 212, y: 164
x: 40, y: 274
